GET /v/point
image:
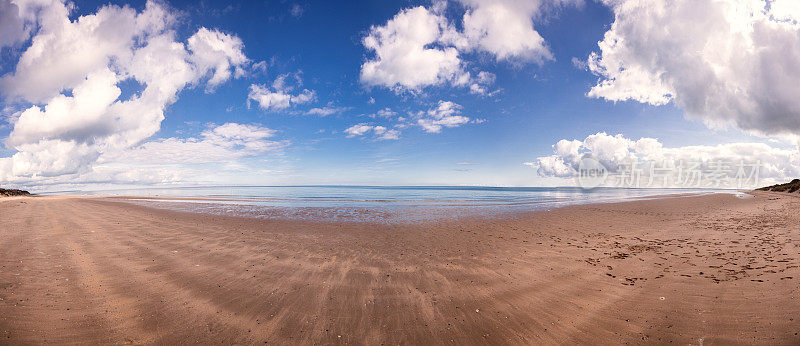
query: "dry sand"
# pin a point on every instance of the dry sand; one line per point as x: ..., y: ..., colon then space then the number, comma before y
x: 691, y: 270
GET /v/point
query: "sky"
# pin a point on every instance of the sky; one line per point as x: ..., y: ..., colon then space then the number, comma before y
x: 465, y: 92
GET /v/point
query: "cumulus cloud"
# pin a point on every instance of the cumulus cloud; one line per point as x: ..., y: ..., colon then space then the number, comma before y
x: 358, y: 130
x: 420, y: 47
x: 776, y: 164
x: 505, y: 29
x: 70, y: 75
x: 727, y: 63
x: 404, y: 55
x: 217, y: 53
x: 446, y: 114
x: 383, y: 133
x: 12, y: 25
x: 379, y: 132
x: 280, y: 96
x: 785, y: 10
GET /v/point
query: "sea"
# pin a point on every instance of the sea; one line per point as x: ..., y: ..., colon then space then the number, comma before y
x: 384, y: 204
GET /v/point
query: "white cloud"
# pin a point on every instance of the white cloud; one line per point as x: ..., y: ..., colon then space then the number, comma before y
x: 383, y: 133
x: 727, y: 63
x: 297, y: 11
x: 580, y: 64
x: 420, y: 47
x: 481, y: 82
x: 70, y: 74
x: 218, y: 143
x: 217, y: 52
x: 12, y: 24
x: 777, y: 164
x: 279, y: 96
x: 358, y: 130
x: 380, y: 132
x: 386, y: 113
x: 327, y: 110
x: 404, y: 55
x: 63, y: 52
x: 444, y: 115
x: 504, y: 28
x: 785, y: 10
x: 209, y: 157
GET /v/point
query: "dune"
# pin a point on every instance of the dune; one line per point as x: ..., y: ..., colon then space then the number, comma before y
x: 13, y: 192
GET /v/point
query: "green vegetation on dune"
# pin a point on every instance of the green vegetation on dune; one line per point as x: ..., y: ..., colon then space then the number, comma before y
x: 11, y: 192
x: 790, y: 187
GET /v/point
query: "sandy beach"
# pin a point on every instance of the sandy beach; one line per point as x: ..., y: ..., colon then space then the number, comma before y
x: 713, y: 269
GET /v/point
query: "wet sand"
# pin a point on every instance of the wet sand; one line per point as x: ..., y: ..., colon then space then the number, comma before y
x: 713, y: 269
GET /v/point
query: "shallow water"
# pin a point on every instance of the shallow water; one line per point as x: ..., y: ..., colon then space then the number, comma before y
x: 378, y: 203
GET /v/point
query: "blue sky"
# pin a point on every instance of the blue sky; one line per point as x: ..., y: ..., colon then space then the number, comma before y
x: 528, y: 107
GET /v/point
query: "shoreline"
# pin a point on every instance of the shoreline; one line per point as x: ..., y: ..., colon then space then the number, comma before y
x: 95, y: 270
x: 380, y: 212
